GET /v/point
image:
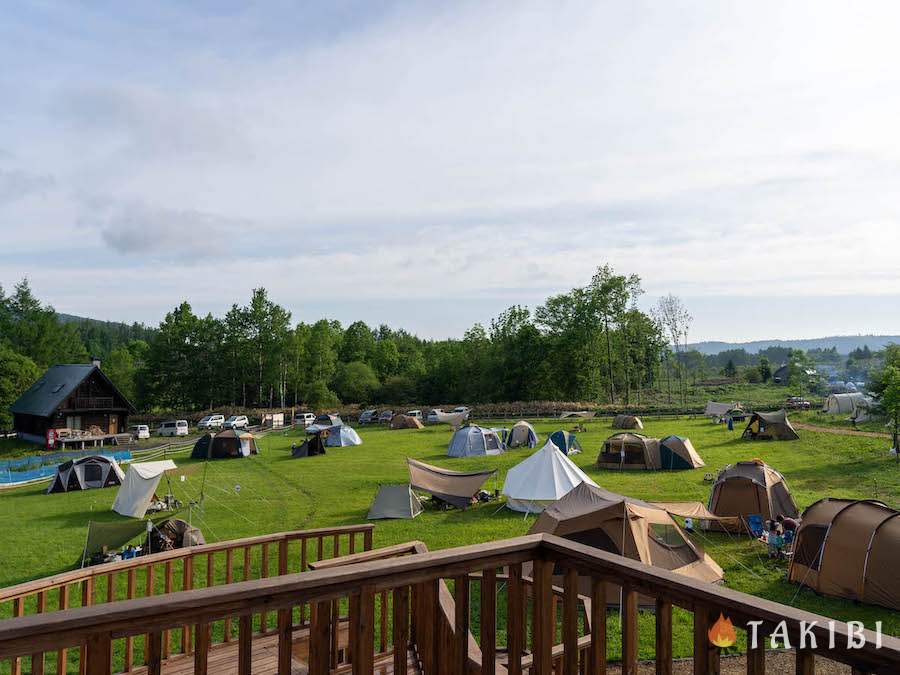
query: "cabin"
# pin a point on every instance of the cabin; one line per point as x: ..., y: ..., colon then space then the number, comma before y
x: 74, y: 397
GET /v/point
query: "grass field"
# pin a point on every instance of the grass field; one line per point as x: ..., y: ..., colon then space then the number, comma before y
x: 43, y: 534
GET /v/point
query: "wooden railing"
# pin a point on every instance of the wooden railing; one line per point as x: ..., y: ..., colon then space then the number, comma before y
x: 93, y: 403
x: 160, y: 574
x: 412, y: 584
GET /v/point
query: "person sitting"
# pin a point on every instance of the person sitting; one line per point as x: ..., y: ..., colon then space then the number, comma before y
x: 787, y: 524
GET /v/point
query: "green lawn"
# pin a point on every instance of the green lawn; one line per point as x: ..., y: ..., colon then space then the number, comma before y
x: 43, y: 534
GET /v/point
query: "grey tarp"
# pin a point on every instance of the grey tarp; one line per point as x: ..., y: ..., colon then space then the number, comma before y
x: 454, y: 487
x: 394, y: 501
x: 111, y: 535
x: 770, y: 426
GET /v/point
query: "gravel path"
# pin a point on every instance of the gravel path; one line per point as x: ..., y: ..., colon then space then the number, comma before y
x: 838, y: 430
x: 776, y: 662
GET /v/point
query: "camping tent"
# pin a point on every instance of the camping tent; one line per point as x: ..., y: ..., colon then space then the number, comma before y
x: 328, y: 420
x: 173, y: 533
x: 751, y: 488
x: 454, y: 419
x: 473, y: 440
x: 340, y: 436
x: 394, y: 501
x: 457, y: 488
x: 536, y: 482
x: 228, y: 443
x: 85, y: 473
x: 629, y: 451
x: 584, y: 414
x: 770, y: 426
x: 721, y: 410
x: 314, y: 444
x: 627, y: 422
x: 849, y: 549
x: 405, y: 422
x: 837, y: 404
x: 626, y: 526
x: 566, y: 442
x: 677, y: 452
x: 521, y: 435
x: 139, y: 486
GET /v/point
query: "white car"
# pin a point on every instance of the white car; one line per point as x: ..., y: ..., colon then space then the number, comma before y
x: 140, y: 431
x: 414, y: 413
x: 173, y: 428
x: 304, y: 419
x: 214, y: 421
x: 462, y: 409
x: 237, y: 422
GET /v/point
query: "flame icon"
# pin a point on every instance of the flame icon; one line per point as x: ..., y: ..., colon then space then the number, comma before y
x: 721, y: 633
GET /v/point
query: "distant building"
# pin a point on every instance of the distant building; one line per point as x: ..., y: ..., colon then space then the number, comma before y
x: 71, y: 396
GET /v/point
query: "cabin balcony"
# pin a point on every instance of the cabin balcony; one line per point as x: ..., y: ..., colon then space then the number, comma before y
x: 392, y: 610
x: 94, y: 403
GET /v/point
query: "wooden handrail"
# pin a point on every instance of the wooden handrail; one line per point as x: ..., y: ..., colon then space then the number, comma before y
x: 97, y: 626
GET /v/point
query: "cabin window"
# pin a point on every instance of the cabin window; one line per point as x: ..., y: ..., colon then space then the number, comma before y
x: 808, y: 549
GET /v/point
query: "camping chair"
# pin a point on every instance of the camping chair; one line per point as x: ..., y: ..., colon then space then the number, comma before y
x: 755, y: 524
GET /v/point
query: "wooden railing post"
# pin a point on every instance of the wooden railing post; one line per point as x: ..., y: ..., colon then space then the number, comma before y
x: 99, y: 654
x: 367, y: 540
x: 201, y: 648
x: 401, y: 628
x: 87, y: 599
x: 168, y: 583
x: 543, y: 630
x: 629, y: 630
x: 597, y: 664
x: 515, y: 619
x: 263, y: 574
x: 129, y: 641
x: 245, y: 644
x: 806, y: 662
x: 62, y: 656
x: 319, y: 638
x: 153, y: 653
x: 488, y: 621
x: 362, y: 626
x: 187, y: 583
x: 703, y: 651
x: 229, y: 578
x: 303, y: 563
x: 663, y: 637
x: 461, y: 623
x: 285, y: 641
x: 570, y: 622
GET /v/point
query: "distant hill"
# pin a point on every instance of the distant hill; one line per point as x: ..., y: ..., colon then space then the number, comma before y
x: 844, y: 343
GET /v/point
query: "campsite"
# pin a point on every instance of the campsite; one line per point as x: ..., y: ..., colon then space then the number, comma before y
x: 271, y: 492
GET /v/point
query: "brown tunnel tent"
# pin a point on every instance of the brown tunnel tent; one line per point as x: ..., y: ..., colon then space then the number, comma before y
x: 630, y: 527
x: 770, y: 426
x: 849, y: 549
x: 750, y: 488
x: 629, y: 451
x: 627, y: 422
x: 405, y: 422
x: 457, y: 488
x: 86, y: 473
x: 229, y: 443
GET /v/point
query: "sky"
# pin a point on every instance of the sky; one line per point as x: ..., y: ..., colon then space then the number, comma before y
x: 426, y: 165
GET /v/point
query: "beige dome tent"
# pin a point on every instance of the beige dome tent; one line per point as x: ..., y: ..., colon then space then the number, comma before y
x: 86, y: 473
x: 630, y: 527
x: 677, y: 452
x: 629, y: 451
x: 849, y: 549
x: 770, y: 426
x: 627, y: 422
x: 522, y: 435
x: 405, y: 422
x: 751, y: 488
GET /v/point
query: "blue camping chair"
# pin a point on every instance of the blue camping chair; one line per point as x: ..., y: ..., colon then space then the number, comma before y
x: 755, y: 523
x: 788, y: 537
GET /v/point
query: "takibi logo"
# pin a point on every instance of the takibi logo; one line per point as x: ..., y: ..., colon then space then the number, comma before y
x: 721, y: 633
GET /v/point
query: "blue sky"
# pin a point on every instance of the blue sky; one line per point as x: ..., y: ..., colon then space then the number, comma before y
x: 457, y: 157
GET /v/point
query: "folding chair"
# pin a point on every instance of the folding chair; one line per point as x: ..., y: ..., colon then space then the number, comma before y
x: 755, y: 524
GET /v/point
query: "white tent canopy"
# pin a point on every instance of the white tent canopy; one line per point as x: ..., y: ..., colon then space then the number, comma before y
x: 855, y: 404
x: 139, y: 486
x: 541, y: 479
x: 342, y: 435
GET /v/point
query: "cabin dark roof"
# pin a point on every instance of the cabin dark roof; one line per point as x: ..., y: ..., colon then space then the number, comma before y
x: 55, y: 386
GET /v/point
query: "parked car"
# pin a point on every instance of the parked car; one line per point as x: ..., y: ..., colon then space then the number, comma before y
x: 385, y: 416
x: 414, y: 413
x: 797, y: 403
x: 462, y: 409
x: 433, y: 415
x: 139, y: 431
x: 214, y: 421
x: 173, y: 428
x: 237, y: 422
x: 304, y: 419
x: 368, y: 417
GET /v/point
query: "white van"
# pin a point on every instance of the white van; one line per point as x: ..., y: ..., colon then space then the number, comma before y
x: 304, y: 419
x: 173, y: 428
x: 414, y: 413
x: 139, y: 431
x: 213, y: 421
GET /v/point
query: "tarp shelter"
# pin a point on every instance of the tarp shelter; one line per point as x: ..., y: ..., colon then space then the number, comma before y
x: 629, y: 527
x: 627, y: 422
x: 770, y: 426
x: 566, y: 442
x: 849, y: 549
x: 173, y: 533
x: 717, y: 410
x: 522, y: 435
x: 454, y: 419
x: 313, y: 445
x: 405, y: 422
x: 139, y: 486
x: 472, y: 440
x: 394, y: 501
x: 584, y: 414
x: 225, y: 444
x: 677, y: 452
x: 536, y: 482
x: 86, y: 473
x: 454, y: 487
x: 341, y: 436
x: 111, y: 536
x: 751, y: 488
x: 629, y: 451
x: 328, y: 420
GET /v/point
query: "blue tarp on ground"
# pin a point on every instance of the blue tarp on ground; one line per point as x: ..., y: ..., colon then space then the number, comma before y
x: 35, y: 467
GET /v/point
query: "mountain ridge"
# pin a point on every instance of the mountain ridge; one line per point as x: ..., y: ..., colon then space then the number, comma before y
x: 844, y: 343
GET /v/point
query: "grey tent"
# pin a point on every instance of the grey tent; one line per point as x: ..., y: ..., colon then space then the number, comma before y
x: 627, y: 422
x: 457, y: 488
x: 225, y: 444
x: 394, y: 501
x: 328, y: 420
x: 473, y: 440
x: 522, y: 435
x: 86, y: 473
x: 771, y: 426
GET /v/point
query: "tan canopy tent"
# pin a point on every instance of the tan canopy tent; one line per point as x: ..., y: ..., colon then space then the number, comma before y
x: 139, y: 487
x: 629, y: 451
x: 405, y: 422
x: 522, y: 435
x: 770, y: 426
x: 718, y: 410
x: 457, y: 488
x: 86, y: 473
x: 394, y: 501
x: 849, y: 549
x: 584, y: 414
x: 677, y: 452
x: 630, y: 527
x: 627, y: 422
x: 751, y: 488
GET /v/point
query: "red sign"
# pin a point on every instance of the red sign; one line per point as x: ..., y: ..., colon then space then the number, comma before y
x: 51, y: 439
